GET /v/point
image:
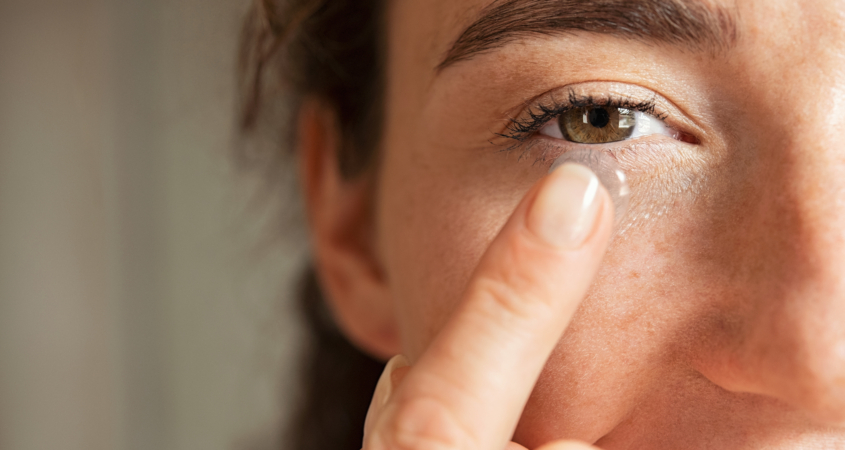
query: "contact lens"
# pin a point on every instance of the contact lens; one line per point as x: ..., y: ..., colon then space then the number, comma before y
x: 611, y: 176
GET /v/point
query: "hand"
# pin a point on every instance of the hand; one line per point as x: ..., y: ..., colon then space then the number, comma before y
x: 468, y: 389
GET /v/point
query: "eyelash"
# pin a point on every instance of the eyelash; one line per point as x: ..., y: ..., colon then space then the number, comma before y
x: 522, y: 129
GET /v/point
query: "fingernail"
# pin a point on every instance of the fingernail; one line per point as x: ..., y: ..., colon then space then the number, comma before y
x: 384, y: 388
x: 565, y: 210
x: 386, y: 381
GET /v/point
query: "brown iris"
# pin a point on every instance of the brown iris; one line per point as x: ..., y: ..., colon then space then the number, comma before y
x: 597, y: 124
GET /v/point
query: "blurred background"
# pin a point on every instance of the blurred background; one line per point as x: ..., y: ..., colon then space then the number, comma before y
x: 142, y: 303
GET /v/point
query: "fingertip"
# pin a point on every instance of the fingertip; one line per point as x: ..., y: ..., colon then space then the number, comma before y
x: 394, y: 371
x: 398, y: 375
x: 565, y: 211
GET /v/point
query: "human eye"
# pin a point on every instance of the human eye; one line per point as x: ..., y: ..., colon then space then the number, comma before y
x: 591, y: 115
x: 602, y: 124
x: 661, y: 150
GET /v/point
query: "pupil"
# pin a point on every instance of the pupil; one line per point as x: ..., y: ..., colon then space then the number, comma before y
x: 598, y: 117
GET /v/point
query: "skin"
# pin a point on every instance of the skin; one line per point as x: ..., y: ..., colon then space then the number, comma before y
x: 717, y: 324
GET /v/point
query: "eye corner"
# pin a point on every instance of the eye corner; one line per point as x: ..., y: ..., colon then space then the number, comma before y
x: 688, y: 138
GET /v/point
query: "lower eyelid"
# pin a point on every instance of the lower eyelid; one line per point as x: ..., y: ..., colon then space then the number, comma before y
x: 658, y: 169
x: 547, y: 148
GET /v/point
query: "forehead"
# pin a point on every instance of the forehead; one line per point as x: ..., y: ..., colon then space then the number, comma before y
x: 424, y: 30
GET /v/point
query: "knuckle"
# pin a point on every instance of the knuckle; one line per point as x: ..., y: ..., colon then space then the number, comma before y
x: 512, y: 293
x: 520, y: 278
x: 422, y: 424
x: 498, y: 299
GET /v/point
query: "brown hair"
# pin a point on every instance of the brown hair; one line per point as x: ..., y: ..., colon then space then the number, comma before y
x: 330, y: 50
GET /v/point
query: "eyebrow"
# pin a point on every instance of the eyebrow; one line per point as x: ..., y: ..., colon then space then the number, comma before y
x: 688, y: 23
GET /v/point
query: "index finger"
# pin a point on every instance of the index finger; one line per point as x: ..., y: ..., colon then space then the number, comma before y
x: 469, y: 387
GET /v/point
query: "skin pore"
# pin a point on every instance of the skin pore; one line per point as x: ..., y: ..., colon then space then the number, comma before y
x: 716, y: 323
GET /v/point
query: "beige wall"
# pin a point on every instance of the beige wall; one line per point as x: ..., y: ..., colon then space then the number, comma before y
x: 138, y: 309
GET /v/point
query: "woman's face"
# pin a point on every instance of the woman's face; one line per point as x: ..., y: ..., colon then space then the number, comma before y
x: 717, y: 319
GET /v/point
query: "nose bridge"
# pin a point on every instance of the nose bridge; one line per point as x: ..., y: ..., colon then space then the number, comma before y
x: 770, y: 247
x: 808, y: 182
x: 793, y: 293
x: 801, y: 144
x: 806, y: 310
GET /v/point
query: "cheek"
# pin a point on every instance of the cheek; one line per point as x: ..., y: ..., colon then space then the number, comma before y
x: 648, y: 317
x: 438, y: 211
x: 623, y: 344
x: 439, y: 208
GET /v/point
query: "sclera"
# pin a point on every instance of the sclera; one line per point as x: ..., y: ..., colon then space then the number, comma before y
x: 611, y: 176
